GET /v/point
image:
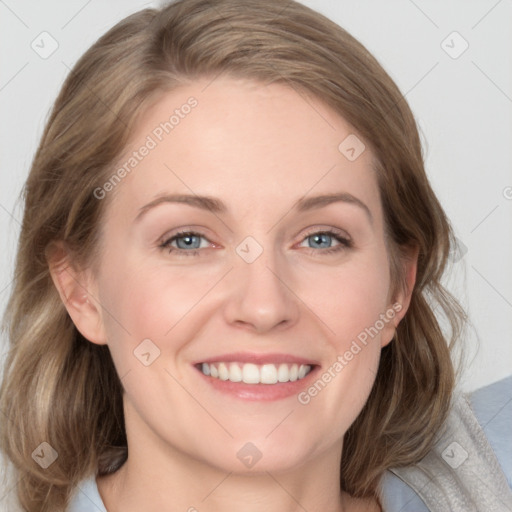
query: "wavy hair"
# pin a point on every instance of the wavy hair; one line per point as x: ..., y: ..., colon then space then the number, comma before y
x: 59, y: 388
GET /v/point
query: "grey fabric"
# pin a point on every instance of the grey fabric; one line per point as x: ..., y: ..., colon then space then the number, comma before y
x: 461, y: 473
x: 87, y: 498
x: 492, y: 406
x: 397, y: 496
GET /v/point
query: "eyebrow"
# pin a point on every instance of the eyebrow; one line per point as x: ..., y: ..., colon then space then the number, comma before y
x: 215, y: 205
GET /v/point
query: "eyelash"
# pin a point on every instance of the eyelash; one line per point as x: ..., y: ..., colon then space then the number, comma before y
x: 345, y: 243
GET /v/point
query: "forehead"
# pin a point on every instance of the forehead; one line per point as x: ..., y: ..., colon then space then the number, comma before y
x: 239, y: 140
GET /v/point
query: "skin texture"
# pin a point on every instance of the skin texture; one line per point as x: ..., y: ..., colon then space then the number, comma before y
x: 259, y: 149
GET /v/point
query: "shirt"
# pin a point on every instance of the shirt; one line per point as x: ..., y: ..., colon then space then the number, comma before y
x: 469, y: 469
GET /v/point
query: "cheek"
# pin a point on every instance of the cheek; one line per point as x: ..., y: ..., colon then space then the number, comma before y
x: 351, y: 301
x: 148, y: 302
x: 352, y: 306
x: 351, y: 298
x: 140, y: 294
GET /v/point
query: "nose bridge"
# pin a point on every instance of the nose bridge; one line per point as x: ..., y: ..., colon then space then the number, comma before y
x: 260, y: 297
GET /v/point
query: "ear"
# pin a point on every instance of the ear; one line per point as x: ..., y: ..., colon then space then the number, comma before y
x: 78, y: 292
x: 400, y: 301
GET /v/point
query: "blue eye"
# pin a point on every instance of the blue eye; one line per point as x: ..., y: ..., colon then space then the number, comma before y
x: 323, y: 240
x: 188, y: 243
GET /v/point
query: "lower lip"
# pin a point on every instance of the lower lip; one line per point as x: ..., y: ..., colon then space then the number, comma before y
x: 261, y: 392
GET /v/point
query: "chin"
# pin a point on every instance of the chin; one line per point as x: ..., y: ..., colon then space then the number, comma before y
x: 259, y: 453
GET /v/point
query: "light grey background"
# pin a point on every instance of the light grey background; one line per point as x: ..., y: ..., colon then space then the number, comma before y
x: 462, y: 101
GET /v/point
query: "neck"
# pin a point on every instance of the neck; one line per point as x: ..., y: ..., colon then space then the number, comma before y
x: 157, y: 477
x: 194, y: 486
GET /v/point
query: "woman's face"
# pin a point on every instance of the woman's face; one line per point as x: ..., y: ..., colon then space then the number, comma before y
x: 284, y: 271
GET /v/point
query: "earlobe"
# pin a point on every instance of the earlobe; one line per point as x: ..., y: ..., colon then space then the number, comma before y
x: 402, y: 299
x: 76, y: 291
x: 410, y: 267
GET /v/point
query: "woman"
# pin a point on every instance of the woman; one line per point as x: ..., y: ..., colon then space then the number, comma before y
x: 227, y: 274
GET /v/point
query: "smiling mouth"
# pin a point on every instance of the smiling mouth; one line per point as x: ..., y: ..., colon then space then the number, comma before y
x: 250, y: 373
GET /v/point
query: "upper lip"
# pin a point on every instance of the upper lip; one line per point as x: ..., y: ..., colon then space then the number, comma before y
x: 247, y: 357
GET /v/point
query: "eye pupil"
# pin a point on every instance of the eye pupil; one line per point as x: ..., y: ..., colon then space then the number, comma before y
x: 188, y: 241
x: 320, y: 238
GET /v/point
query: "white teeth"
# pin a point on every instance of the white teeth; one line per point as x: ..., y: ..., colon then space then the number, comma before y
x: 235, y: 373
x: 250, y: 373
x: 283, y: 374
x: 223, y: 372
x: 268, y: 374
x: 294, y: 372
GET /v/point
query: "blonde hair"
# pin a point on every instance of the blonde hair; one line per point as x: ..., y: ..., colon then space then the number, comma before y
x: 60, y: 388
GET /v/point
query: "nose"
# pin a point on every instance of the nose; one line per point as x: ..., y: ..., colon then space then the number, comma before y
x: 260, y: 295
